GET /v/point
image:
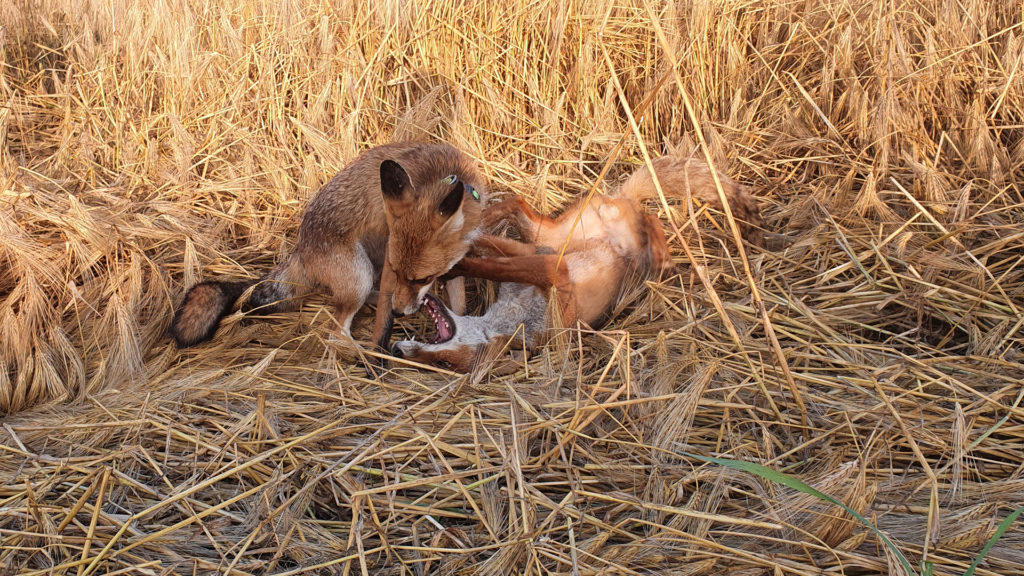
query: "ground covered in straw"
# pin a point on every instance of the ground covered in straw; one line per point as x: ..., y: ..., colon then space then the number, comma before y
x: 872, y: 350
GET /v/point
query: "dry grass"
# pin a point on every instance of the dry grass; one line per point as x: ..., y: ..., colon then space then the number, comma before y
x: 143, y: 148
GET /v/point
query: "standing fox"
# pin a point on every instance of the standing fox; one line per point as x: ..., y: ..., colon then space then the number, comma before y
x: 428, y: 196
x: 614, y: 245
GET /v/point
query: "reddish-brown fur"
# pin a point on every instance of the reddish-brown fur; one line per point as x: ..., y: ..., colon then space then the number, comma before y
x: 193, y: 321
x: 618, y: 221
x: 586, y: 254
x: 391, y: 213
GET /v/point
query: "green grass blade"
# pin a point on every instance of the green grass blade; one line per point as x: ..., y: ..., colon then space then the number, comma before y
x: 1003, y: 527
x: 791, y: 482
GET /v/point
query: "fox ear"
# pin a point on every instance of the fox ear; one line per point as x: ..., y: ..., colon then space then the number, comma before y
x: 394, y: 182
x: 452, y: 201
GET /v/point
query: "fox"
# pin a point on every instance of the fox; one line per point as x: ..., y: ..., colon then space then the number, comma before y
x: 401, y: 213
x: 590, y: 254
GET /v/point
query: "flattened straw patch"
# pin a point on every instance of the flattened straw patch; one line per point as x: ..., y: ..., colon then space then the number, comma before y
x: 873, y: 352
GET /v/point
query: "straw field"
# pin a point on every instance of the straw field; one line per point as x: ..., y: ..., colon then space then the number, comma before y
x: 872, y: 349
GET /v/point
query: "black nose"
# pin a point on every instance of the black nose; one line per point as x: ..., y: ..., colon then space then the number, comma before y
x: 396, y: 351
x: 397, y: 314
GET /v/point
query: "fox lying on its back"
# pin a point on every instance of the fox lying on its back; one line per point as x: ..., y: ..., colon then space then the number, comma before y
x: 427, y: 196
x: 614, y: 243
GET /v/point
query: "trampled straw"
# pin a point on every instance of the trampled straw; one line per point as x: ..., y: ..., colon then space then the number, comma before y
x: 145, y: 147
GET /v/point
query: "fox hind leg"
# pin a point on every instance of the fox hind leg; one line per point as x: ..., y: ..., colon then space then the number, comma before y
x: 661, y: 259
x: 348, y: 276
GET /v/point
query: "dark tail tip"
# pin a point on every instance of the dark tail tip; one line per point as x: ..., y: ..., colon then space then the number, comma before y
x: 204, y: 305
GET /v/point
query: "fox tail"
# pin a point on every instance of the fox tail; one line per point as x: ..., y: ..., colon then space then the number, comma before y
x: 207, y: 302
x: 682, y: 177
x: 204, y: 305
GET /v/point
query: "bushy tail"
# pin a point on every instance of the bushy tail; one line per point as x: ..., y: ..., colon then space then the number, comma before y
x: 680, y: 177
x: 205, y: 304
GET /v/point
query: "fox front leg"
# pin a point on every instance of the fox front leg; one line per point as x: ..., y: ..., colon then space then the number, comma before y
x: 485, y: 247
x: 384, y: 320
x: 509, y: 208
x: 545, y: 271
x: 456, y: 289
x: 488, y: 245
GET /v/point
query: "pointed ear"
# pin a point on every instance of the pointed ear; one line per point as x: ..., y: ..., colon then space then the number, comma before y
x: 451, y: 203
x: 394, y: 182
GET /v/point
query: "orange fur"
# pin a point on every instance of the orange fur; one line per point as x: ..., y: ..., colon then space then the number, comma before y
x: 404, y: 213
x: 586, y: 254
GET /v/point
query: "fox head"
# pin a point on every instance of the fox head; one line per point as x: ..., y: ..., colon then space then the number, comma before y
x: 514, y: 323
x: 433, y: 204
x: 458, y: 343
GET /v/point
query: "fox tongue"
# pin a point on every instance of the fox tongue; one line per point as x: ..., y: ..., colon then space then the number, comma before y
x: 441, y: 322
x: 444, y: 333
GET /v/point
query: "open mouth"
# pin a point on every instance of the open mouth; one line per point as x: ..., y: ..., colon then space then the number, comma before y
x: 443, y: 323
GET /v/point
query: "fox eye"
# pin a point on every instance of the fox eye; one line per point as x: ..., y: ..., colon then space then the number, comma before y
x: 422, y: 281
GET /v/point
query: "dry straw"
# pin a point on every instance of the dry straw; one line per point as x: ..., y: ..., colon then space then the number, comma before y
x: 873, y: 350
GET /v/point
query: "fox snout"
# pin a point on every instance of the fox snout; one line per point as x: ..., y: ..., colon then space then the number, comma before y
x: 408, y: 299
x: 410, y: 308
